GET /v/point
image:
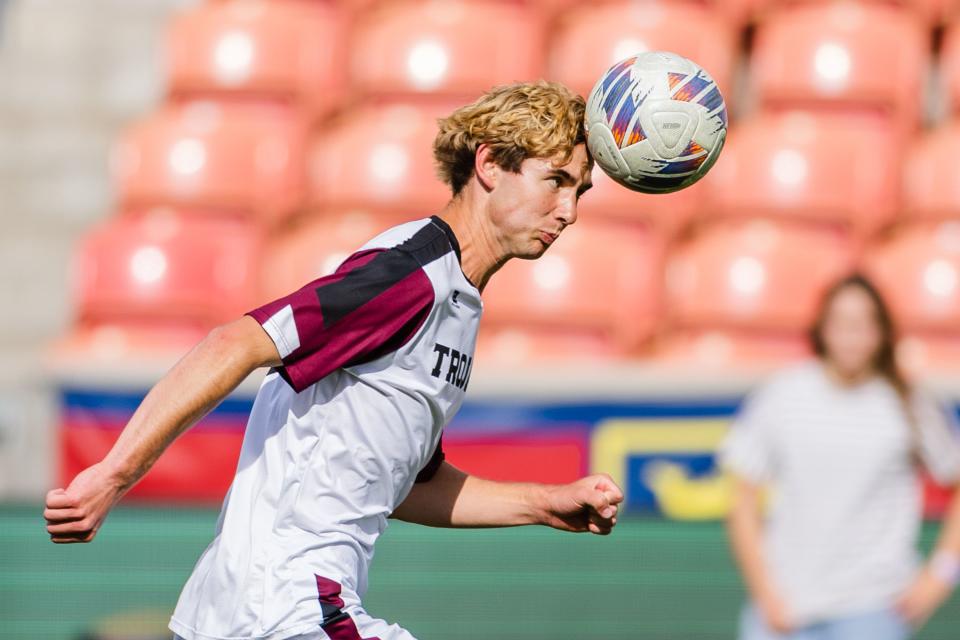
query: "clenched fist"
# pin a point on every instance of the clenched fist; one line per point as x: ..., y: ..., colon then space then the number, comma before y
x: 75, y: 514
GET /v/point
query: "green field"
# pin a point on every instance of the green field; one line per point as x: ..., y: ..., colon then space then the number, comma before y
x: 650, y: 580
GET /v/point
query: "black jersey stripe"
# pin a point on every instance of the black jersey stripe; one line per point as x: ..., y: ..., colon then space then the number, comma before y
x: 450, y: 235
x: 341, y: 298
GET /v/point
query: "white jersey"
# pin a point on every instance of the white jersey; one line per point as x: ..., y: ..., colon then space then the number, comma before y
x: 376, y: 360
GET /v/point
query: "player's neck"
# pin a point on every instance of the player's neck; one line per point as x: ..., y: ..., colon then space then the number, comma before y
x: 480, y: 253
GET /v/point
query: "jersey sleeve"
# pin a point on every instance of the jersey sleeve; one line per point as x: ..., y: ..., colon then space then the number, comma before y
x: 748, y: 448
x: 431, y: 468
x: 372, y: 305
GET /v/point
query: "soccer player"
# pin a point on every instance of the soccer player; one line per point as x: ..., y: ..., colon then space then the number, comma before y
x: 367, y: 367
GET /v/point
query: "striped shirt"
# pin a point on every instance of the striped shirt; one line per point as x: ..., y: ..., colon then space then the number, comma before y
x: 842, y: 528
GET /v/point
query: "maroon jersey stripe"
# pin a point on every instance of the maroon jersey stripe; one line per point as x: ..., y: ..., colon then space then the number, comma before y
x: 337, y: 623
x: 371, y: 306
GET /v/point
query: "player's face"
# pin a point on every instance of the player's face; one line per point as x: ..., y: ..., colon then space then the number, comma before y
x: 531, y: 208
x: 851, y: 332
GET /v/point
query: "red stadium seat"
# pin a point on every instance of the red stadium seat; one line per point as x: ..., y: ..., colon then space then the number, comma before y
x: 164, y: 266
x: 931, y: 185
x: 929, y: 11
x: 138, y: 343
x: 451, y: 47
x: 935, y: 11
x: 505, y: 347
x: 281, y: 50
x: 738, y: 12
x: 918, y: 270
x: 713, y: 350
x: 950, y: 62
x: 756, y: 274
x: 315, y: 248
x: 950, y: 65
x: 219, y: 157
x: 591, y: 37
x: 843, y: 56
x: 669, y: 212
x: 922, y: 354
x: 379, y: 157
x: 599, y: 279
x: 834, y: 169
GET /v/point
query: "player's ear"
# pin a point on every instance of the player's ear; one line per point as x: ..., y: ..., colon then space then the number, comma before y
x: 485, y: 167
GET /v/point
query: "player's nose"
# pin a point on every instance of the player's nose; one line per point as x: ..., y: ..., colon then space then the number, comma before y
x: 567, y: 210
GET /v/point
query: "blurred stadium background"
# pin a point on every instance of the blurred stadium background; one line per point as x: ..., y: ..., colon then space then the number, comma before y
x: 166, y: 165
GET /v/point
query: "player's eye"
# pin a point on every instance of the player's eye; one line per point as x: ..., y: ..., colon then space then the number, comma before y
x: 554, y: 182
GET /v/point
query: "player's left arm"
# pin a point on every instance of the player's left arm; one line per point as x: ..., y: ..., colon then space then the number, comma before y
x: 452, y: 498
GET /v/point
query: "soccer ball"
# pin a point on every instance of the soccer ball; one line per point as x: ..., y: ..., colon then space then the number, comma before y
x: 656, y: 122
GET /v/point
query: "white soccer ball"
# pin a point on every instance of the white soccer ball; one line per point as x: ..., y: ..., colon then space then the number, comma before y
x: 656, y: 122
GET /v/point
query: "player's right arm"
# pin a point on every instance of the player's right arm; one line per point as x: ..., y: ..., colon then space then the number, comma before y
x: 375, y: 301
x: 190, y: 390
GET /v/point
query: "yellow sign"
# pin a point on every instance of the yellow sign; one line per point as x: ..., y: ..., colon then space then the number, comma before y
x: 679, y: 495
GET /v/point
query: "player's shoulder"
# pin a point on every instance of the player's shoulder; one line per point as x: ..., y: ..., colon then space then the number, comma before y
x: 424, y: 240
x: 396, y: 236
x: 403, y: 250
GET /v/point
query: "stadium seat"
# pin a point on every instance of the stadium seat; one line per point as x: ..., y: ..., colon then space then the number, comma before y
x: 591, y: 37
x: 755, y: 274
x: 214, y: 156
x: 930, y: 12
x: 513, y: 346
x: 931, y: 184
x: 280, y: 50
x: 918, y: 270
x: 715, y: 350
x: 950, y: 62
x: 669, y: 212
x: 165, y: 265
x: 921, y: 354
x: 379, y: 157
x: 315, y: 248
x: 843, y: 57
x: 162, y: 341
x: 451, y: 47
x: 598, y: 279
x: 807, y: 166
x: 737, y: 13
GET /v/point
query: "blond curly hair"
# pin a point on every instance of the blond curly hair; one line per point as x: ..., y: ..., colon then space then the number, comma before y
x: 518, y: 121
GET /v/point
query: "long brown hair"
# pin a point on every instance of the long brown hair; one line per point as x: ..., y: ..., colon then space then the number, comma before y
x: 884, y: 359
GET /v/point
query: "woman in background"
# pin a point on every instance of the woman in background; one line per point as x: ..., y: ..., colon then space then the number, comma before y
x: 839, y: 441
